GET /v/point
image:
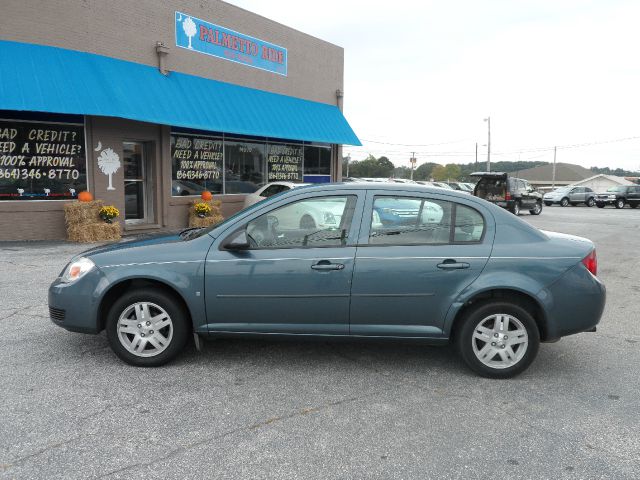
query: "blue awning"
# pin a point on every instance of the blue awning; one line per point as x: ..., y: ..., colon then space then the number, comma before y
x: 55, y: 80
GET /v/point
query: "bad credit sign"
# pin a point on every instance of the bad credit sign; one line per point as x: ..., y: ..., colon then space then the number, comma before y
x: 201, y: 36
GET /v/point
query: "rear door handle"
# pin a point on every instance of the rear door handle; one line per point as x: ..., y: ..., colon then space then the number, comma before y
x: 453, y: 265
x: 325, y: 265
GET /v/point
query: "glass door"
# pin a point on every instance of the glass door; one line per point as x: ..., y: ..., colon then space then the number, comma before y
x: 135, y: 182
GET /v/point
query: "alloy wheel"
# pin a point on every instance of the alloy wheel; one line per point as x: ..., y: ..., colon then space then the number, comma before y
x: 500, y: 341
x: 145, y: 329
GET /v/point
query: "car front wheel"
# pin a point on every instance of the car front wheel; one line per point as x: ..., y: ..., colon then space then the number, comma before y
x: 147, y: 328
x: 600, y: 205
x: 515, y: 209
x: 564, y: 202
x: 498, y: 339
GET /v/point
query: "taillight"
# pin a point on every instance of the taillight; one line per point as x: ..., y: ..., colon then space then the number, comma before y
x: 591, y: 262
x: 507, y: 195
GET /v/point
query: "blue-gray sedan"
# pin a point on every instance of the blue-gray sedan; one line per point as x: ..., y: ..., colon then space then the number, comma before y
x: 397, y: 261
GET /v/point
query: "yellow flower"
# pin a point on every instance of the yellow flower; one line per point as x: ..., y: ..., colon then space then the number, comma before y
x: 202, y: 209
x: 109, y: 212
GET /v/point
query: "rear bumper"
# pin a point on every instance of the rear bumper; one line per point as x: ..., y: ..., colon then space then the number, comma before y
x: 573, y: 304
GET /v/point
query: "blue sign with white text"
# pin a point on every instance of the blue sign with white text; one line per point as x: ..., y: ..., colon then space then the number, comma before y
x: 204, y: 37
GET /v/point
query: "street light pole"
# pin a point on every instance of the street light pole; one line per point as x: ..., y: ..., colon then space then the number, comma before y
x: 413, y: 163
x: 488, y: 120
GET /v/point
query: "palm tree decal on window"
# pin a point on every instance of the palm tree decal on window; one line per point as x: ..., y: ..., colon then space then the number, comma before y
x: 109, y: 163
x: 189, y: 28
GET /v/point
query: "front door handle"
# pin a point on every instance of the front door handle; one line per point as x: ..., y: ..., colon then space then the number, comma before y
x: 325, y: 265
x: 450, y: 264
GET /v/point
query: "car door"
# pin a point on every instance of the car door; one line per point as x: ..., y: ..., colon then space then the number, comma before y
x: 291, y: 278
x: 633, y: 196
x: 416, y: 254
x: 576, y: 195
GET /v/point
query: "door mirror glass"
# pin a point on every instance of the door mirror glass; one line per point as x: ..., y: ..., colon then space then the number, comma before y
x: 237, y: 241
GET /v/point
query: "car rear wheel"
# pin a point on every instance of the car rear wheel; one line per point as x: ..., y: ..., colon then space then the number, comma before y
x: 515, y: 209
x: 600, y: 205
x: 564, y: 202
x: 498, y: 339
x: 591, y: 202
x: 633, y: 205
x: 147, y: 328
x: 620, y: 203
x: 537, y: 209
x: 548, y: 204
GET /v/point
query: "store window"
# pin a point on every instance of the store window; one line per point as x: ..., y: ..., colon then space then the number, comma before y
x: 317, y: 160
x: 41, y: 161
x: 197, y: 163
x: 244, y: 166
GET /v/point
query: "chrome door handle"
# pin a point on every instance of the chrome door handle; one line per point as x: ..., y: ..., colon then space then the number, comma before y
x: 452, y: 265
x: 325, y: 265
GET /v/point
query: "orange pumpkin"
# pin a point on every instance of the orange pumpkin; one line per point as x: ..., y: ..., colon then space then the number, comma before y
x: 85, y: 196
x: 206, y: 195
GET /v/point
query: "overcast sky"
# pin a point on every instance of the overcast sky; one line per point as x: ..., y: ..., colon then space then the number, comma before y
x: 426, y: 73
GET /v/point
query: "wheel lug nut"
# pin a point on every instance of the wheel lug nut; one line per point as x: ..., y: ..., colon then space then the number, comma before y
x: 495, y: 335
x: 148, y: 323
x: 502, y: 346
x: 493, y: 344
x: 505, y: 337
x: 142, y: 334
x: 139, y: 325
x: 150, y: 332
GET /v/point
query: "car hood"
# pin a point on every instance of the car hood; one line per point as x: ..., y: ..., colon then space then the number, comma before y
x: 130, y: 244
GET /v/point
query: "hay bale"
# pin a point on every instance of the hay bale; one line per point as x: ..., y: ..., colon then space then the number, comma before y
x: 214, y: 218
x: 94, y: 232
x: 82, y: 213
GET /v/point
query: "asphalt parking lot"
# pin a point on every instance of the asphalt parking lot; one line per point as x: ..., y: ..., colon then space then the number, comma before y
x: 248, y: 409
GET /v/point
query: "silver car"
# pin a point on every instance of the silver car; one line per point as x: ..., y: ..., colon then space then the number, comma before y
x: 569, y: 195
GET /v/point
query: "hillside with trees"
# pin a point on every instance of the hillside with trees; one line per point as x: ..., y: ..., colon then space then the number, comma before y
x: 382, y: 167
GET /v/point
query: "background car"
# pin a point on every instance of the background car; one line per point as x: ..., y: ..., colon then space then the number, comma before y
x: 569, y: 195
x: 457, y: 269
x: 270, y: 189
x: 461, y: 187
x: 511, y: 193
x: 619, y: 196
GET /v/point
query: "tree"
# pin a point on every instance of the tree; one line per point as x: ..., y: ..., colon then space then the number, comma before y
x: 452, y: 171
x: 423, y: 172
x: 189, y: 28
x: 371, y: 167
x: 439, y: 173
x: 109, y: 163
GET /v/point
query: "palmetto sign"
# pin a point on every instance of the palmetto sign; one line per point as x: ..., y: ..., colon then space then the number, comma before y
x: 109, y: 163
x: 199, y: 35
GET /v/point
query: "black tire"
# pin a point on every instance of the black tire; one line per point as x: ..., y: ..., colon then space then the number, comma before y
x: 548, y: 204
x: 472, y: 318
x: 179, y: 324
x: 619, y: 203
x: 633, y: 205
x: 537, y: 210
x: 600, y: 205
x: 591, y: 202
x: 307, y: 223
x: 515, y: 208
x: 564, y: 202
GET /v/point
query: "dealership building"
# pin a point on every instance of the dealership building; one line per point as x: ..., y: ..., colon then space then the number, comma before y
x: 146, y: 104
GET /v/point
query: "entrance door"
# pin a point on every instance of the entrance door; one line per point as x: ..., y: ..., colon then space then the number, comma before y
x: 136, y: 173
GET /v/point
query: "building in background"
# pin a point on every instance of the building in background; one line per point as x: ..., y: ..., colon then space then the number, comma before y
x: 146, y: 104
x: 600, y: 182
x: 542, y: 177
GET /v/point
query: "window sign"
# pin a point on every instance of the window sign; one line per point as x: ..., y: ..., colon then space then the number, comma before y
x: 201, y: 36
x: 196, y: 165
x: 284, y: 163
x: 41, y: 161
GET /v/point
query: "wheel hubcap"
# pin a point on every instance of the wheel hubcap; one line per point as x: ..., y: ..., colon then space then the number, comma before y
x: 145, y: 329
x: 500, y: 341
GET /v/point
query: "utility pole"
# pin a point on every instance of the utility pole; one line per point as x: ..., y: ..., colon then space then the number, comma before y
x: 488, y: 120
x: 553, y: 175
x: 348, y: 162
x: 413, y: 163
x: 476, y: 156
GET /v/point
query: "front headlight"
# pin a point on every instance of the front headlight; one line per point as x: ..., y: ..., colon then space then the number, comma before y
x: 77, y: 269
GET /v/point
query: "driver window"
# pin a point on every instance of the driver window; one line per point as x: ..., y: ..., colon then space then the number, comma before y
x: 313, y: 222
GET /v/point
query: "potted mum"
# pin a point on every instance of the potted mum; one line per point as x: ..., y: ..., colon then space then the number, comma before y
x: 108, y: 213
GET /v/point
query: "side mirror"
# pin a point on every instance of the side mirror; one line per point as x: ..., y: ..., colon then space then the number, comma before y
x: 238, y: 241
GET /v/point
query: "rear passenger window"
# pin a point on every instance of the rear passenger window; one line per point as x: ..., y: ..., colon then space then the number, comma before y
x: 469, y: 225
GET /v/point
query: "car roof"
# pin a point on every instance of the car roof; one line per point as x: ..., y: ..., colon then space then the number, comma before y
x: 391, y: 187
x: 487, y: 174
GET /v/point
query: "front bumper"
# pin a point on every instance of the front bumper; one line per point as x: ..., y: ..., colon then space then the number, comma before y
x: 606, y: 201
x: 74, y: 306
